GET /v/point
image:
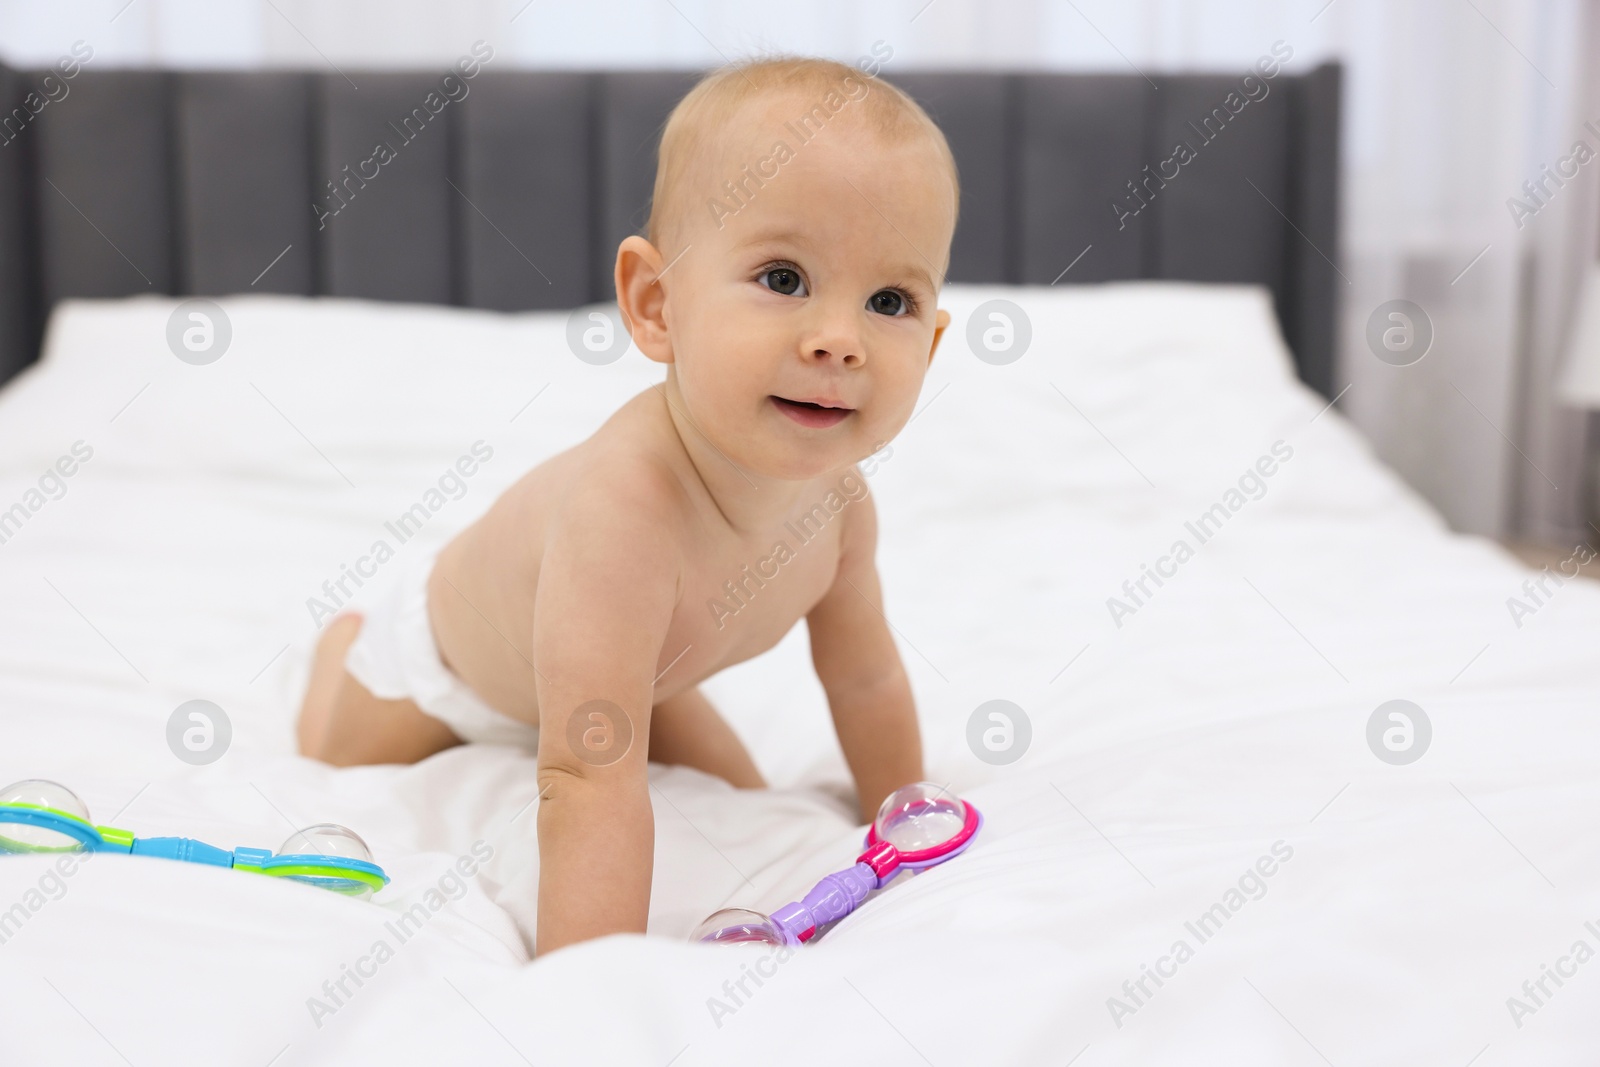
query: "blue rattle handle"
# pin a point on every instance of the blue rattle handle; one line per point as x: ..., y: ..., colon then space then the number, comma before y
x: 189, y: 850
x: 186, y: 849
x: 92, y: 838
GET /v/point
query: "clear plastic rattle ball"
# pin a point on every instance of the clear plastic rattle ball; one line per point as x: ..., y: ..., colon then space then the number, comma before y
x: 738, y: 925
x: 38, y: 793
x: 329, y: 840
x: 920, y: 816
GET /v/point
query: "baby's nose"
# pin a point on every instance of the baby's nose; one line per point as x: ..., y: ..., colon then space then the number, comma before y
x: 837, y: 341
x: 845, y: 354
x: 834, y: 333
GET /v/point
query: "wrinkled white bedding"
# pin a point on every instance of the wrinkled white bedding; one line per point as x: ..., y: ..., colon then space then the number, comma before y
x: 1217, y: 733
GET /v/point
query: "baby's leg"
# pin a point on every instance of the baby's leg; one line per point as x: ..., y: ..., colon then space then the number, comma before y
x: 343, y: 724
x: 686, y: 730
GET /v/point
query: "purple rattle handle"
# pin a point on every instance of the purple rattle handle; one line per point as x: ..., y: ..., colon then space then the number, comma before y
x: 834, y: 897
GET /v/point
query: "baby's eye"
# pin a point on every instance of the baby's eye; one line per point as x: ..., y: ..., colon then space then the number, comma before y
x: 785, y: 280
x: 888, y: 302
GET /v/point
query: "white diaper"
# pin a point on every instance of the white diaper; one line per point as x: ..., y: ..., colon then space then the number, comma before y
x: 396, y: 658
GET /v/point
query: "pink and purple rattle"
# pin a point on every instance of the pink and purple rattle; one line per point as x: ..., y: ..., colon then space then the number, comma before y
x: 918, y: 826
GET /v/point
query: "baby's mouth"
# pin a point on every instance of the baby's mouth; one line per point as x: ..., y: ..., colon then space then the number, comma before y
x: 819, y: 416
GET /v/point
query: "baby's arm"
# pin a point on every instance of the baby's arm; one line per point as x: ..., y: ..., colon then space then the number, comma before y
x: 860, y: 669
x: 608, y: 585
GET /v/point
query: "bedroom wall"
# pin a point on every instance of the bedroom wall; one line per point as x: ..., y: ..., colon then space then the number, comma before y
x: 1450, y: 108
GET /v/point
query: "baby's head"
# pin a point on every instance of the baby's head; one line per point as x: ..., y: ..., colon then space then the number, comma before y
x: 798, y: 239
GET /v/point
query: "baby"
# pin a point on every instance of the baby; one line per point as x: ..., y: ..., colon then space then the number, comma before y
x: 799, y: 233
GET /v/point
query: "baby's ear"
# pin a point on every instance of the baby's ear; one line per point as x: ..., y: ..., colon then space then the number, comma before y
x: 940, y: 321
x: 641, y: 298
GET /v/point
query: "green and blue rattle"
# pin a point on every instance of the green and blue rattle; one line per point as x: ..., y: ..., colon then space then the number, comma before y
x: 37, y: 816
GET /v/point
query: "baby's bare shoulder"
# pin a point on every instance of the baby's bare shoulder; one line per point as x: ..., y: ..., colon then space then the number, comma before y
x: 631, y: 488
x: 615, y: 546
x: 620, y: 496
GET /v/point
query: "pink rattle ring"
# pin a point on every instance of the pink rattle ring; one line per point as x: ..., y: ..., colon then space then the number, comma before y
x: 917, y: 827
x: 922, y: 826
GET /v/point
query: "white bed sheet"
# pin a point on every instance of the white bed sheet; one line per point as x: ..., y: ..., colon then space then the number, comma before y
x: 1168, y: 755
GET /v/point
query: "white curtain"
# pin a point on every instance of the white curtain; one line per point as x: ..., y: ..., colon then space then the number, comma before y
x: 1451, y: 105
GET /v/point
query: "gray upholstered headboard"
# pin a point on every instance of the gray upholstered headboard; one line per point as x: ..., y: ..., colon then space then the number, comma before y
x: 516, y: 196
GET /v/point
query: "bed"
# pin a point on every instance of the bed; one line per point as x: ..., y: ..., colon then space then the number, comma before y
x: 1199, y: 764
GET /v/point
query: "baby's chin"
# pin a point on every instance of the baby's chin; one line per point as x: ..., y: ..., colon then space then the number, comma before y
x: 795, y: 458
x: 784, y: 462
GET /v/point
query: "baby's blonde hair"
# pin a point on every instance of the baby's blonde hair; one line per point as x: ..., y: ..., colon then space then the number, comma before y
x: 889, y: 112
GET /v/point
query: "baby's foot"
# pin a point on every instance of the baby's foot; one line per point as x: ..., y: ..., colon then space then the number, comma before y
x: 327, y: 671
